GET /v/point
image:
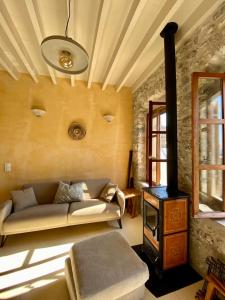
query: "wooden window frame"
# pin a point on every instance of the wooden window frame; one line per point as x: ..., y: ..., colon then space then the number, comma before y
x: 196, y: 165
x: 150, y: 133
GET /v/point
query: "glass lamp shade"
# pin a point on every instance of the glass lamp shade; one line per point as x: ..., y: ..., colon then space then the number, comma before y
x: 64, y: 54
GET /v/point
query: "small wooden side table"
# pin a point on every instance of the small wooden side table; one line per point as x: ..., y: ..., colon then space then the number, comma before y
x: 133, y: 197
x: 213, y: 285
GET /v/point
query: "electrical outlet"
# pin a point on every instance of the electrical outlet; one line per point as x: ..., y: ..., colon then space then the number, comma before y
x: 7, y: 167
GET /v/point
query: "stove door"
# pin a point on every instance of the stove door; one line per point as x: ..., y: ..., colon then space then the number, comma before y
x: 151, y: 219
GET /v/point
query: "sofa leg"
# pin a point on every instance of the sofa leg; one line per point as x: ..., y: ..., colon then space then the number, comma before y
x: 2, y: 240
x: 120, y: 223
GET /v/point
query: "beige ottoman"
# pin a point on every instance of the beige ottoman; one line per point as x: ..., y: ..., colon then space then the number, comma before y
x: 105, y: 268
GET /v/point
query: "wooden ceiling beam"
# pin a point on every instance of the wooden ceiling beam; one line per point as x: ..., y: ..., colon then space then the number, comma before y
x: 131, y: 20
x: 203, y: 11
x: 9, y: 35
x: 35, y: 19
x: 5, y: 11
x: 164, y: 16
x: 154, y: 64
x: 100, y: 26
x: 7, y: 65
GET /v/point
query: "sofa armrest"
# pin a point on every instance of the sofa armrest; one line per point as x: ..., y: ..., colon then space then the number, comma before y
x: 121, y: 200
x: 5, y: 210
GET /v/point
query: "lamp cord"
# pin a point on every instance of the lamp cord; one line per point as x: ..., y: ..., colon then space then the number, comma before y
x: 67, y: 23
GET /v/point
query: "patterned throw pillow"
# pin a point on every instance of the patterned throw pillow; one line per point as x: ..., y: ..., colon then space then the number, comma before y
x: 23, y: 199
x: 69, y: 193
x: 108, y: 192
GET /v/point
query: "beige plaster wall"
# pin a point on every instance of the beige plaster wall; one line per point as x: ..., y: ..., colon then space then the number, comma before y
x: 40, y: 148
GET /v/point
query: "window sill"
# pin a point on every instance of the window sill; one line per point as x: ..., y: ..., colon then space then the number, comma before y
x: 205, y: 212
x: 204, y: 215
x: 221, y: 222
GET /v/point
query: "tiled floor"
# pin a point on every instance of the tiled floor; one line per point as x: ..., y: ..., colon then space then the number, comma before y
x: 32, y: 264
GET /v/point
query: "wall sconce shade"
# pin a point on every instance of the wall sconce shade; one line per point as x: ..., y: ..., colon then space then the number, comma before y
x: 108, y: 118
x: 38, y: 112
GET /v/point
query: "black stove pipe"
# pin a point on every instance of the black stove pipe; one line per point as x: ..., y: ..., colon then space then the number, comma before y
x: 168, y: 33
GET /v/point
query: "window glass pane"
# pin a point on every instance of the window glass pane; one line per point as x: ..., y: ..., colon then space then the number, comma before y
x: 159, y: 173
x: 163, y: 122
x: 154, y: 146
x: 154, y: 171
x: 154, y: 124
x: 211, y: 190
x: 163, y: 173
x: 159, y: 141
x: 210, y: 98
x: 163, y: 150
x: 211, y: 144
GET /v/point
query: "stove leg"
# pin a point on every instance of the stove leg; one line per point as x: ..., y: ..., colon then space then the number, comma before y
x: 2, y: 240
x: 120, y: 223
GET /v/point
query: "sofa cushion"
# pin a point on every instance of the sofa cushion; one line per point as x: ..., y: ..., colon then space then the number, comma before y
x: 23, y: 199
x: 69, y: 193
x: 93, y: 210
x: 44, y: 191
x: 93, y: 187
x: 108, y: 192
x: 39, y: 217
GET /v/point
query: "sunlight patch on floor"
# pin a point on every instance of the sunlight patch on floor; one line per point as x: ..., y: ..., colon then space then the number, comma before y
x: 12, y: 261
x: 48, y: 252
x: 30, y: 269
x: 32, y: 264
x: 25, y: 288
x: 30, y: 273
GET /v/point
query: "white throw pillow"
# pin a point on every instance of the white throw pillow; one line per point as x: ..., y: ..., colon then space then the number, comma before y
x: 23, y: 199
x: 108, y: 192
x: 69, y: 193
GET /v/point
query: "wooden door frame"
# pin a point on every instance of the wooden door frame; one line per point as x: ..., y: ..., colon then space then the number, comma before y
x: 149, y: 134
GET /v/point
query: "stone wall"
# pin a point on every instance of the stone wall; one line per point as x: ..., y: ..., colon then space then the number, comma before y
x: 197, y: 53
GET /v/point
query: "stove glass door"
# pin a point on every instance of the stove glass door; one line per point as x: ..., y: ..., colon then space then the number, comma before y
x: 151, y: 219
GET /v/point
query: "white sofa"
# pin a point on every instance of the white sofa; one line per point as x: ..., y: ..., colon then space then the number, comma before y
x: 47, y: 215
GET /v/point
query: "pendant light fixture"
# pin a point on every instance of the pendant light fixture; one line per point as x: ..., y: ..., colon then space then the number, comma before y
x: 63, y: 53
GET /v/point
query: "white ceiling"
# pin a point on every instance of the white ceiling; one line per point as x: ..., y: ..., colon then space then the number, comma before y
x: 121, y: 36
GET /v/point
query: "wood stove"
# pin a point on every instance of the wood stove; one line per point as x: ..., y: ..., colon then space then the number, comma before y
x: 165, y: 233
x: 165, y: 209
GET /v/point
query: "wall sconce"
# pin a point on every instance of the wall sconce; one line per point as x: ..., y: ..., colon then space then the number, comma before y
x: 38, y: 112
x: 108, y: 118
